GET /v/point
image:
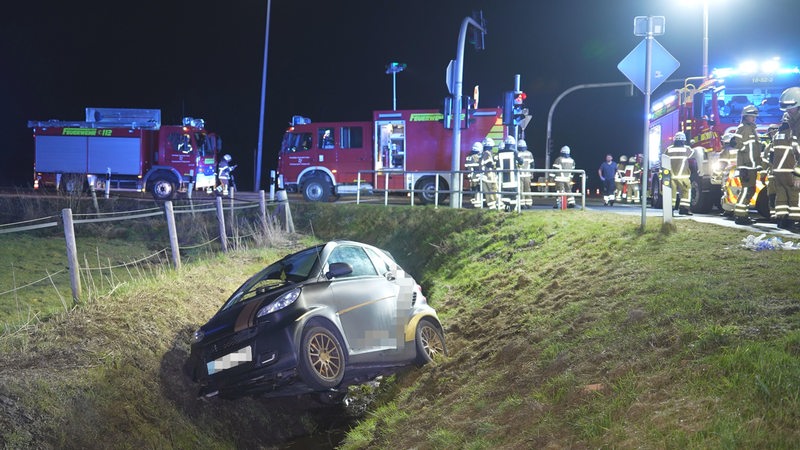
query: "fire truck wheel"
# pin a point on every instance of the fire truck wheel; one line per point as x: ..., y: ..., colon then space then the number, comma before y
x: 428, y: 187
x: 163, y: 187
x: 657, y: 201
x: 317, y: 189
x: 73, y: 183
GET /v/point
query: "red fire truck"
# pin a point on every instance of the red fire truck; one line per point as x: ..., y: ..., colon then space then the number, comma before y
x: 125, y: 150
x: 407, y: 149
x: 705, y: 112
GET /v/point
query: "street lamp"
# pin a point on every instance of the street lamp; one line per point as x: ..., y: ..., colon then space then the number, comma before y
x: 705, y: 38
x: 393, y: 68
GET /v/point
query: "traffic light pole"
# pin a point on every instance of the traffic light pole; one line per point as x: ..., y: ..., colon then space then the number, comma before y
x: 458, y: 77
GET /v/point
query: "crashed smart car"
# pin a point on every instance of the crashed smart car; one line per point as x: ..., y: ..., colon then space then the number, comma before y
x: 316, y: 321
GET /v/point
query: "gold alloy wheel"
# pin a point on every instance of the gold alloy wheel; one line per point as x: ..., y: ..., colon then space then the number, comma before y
x: 325, y: 356
x: 431, y: 342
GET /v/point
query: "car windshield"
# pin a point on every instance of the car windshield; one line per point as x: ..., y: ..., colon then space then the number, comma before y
x: 294, y: 268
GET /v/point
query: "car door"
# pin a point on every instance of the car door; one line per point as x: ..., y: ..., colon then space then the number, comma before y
x: 365, y: 302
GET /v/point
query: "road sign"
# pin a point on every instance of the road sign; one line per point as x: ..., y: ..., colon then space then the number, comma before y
x: 662, y: 65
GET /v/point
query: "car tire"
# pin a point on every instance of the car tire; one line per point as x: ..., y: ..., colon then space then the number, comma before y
x: 322, y: 359
x: 429, y: 341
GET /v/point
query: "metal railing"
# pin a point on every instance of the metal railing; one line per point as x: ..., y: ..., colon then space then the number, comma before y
x: 540, y: 185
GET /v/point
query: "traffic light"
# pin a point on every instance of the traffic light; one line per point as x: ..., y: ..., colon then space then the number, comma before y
x: 514, y: 108
x: 520, y: 108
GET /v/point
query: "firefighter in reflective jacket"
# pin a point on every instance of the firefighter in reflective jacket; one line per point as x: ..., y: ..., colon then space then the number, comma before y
x: 785, y: 156
x: 748, y: 156
x: 525, y: 164
x: 489, y: 176
x: 224, y: 174
x: 473, y: 166
x: 679, y: 154
x: 635, y: 183
x: 562, y: 179
x: 766, y: 163
x: 619, y: 182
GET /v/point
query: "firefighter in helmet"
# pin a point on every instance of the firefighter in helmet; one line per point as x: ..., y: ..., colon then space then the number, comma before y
x: 679, y: 154
x: 748, y: 158
x: 473, y: 166
x: 766, y: 163
x: 506, y: 175
x: 563, y: 179
x: 224, y: 174
x: 489, y: 176
x: 785, y: 185
x: 790, y: 103
x: 524, y: 164
x: 619, y: 182
x: 635, y: 181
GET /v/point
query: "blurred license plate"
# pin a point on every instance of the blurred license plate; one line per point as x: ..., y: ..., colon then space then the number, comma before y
x: 230, y: 360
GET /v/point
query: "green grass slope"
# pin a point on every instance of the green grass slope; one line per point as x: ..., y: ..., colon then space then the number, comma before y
x: 576, y: 330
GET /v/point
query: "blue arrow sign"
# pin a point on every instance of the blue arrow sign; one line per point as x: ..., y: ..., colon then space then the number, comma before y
x: 662, y: 65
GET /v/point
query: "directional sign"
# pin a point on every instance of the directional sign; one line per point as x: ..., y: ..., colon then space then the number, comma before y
x: 662, y: 65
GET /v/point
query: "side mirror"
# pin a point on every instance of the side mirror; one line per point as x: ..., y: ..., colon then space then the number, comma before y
x: 338, y: 269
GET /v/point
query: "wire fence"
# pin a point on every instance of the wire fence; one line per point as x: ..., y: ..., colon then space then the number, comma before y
x: 127, y: 245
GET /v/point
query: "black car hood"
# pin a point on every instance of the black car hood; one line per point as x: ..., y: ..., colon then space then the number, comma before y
x: 241, y: 315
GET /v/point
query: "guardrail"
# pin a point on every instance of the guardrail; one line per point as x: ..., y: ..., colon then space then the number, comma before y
x: 514, y: 188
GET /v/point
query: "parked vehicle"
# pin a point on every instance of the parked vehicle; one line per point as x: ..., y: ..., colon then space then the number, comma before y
x: 119, y: 149
x: 707, y: 108
x: 317, y: 321
x: 411, y: 147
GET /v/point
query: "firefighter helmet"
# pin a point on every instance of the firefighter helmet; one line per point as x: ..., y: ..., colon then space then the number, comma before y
x: 749, y: 110
x: 565, y: 150
x: 726, y: 138
x: 679, y: 136
x: 510, y: 141
x: 623, y: 159
x: 227, y: 158
x: 477, y: 147
x: 488, y: 142
x: 790, y: 98
x: 522, y: 144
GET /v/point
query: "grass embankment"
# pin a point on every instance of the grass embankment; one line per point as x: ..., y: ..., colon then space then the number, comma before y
x: 565, y: 330
x: 576, y: 330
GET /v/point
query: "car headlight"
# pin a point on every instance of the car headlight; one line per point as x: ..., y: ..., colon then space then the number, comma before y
x: 198, y: 336
x: 279, y: 303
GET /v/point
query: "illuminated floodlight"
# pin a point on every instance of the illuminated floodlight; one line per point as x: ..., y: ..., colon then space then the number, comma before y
x: 770, y: 65
x: 789, y: 70
x: 748, y: 67
x: 723, y: 72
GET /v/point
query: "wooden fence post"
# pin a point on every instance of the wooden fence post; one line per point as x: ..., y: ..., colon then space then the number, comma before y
x: 262, y: 206
x: 283, y: 204
x: 173, y: 234
x: 72, y: 255
x: 223, y: 237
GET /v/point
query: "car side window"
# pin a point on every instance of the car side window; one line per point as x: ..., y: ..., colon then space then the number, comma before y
x: 356, y: 257
x: 380, y: 263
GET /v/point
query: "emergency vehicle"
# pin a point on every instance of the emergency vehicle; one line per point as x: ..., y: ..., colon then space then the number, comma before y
x: 123, y: 149
x: 399, y: 150
x: 708, y: 110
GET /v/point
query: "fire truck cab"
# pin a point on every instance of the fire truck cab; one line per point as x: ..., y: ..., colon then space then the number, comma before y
x: 398, y: 150
x: 708, y: 110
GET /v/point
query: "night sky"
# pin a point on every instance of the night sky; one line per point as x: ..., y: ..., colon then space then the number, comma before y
x: 327, y: 61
